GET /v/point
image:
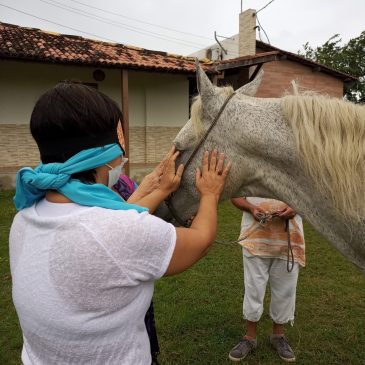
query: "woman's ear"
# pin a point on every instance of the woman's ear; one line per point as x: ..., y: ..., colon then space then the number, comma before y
x: 121, y: 135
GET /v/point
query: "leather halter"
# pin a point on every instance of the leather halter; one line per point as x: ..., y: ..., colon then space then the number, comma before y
x: 168, y: 201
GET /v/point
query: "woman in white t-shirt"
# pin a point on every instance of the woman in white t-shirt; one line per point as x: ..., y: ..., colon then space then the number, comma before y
x: 84, y: 261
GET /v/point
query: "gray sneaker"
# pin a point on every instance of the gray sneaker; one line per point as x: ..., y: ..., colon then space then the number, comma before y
x: 242, y: 349
x: 282, y: 347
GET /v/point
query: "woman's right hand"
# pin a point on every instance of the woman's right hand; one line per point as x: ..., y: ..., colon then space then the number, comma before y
x: 194, y: 242
x: 211, y: 180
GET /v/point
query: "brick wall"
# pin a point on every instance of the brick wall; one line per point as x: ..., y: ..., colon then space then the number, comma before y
x: 17, y: 149
x: 17, y: 146
x: 149, y: 145
x: 278, y: 76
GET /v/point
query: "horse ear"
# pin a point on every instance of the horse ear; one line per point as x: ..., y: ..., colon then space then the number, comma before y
x: 205, y: 87
x: 251, y: 88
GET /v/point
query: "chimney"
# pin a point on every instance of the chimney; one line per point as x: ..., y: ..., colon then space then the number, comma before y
x: 247, y: 34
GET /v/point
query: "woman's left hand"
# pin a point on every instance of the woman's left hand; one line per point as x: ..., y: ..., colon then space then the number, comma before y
x: 160, y: 183
x: 171, y: 177
x: 150, y: 182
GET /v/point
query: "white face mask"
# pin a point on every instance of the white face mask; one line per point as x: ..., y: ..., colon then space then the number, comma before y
x: 115, y: 172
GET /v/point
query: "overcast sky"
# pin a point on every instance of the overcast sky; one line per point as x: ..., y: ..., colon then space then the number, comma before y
x: 185, y: 26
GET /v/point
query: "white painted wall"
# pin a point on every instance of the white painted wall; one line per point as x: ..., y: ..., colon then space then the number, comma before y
x: 21, y: 84
x: 158, y: 99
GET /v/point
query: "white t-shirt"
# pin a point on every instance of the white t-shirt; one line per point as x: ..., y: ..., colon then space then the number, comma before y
x: 83, y: 280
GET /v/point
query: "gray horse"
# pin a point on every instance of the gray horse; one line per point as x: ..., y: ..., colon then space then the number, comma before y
x: 305, y: 150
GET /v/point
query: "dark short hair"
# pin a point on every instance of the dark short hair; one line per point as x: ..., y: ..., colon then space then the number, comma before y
x: 70, y: 118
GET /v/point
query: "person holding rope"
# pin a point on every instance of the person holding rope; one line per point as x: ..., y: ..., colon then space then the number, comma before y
x: 273, y: 250
x: 83, y: 260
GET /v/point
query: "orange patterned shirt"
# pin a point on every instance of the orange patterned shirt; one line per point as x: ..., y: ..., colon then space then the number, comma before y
x: 271, y: 240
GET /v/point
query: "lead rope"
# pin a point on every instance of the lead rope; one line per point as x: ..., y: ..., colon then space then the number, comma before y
x: 205, y: 136
x: 290, y: 254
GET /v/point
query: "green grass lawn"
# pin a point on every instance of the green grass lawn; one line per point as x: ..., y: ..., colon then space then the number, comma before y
x: 199, y: 313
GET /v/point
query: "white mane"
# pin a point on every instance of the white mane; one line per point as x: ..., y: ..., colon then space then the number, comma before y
x: 330, y: 136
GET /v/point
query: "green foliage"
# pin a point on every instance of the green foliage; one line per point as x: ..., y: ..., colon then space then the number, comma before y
x: 348, y: 58
x: 199, y: 313
x: 11, y: 341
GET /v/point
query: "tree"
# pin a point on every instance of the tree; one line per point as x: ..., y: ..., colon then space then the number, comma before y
x: 348, y: 58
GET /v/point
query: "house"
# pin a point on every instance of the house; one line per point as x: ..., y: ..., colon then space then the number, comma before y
x: 234, y: 56
x: 152, y: 88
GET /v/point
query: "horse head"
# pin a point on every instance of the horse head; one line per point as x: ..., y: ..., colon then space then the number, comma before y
x: 241, y: 133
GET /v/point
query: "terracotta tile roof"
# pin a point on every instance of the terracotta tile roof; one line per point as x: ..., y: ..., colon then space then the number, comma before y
x: 34, y: 44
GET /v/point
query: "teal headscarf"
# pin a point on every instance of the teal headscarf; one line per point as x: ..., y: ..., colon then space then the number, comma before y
x: 31, y: 185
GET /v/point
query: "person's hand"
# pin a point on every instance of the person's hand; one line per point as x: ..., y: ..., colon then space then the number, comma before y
x: 286, y: 212
x: 170, y: 177
x: 211, y: 180
x: 149, y: 183
x: 152, y: 181
x: 258, y: 213
x: 158, y: 171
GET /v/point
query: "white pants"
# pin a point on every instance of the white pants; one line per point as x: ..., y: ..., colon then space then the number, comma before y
x: 257, y: 272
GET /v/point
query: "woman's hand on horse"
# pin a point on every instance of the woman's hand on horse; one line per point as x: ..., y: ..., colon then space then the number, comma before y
x: 153, y: 179
x: 149, y: 183
x: 170, y: 177
x: 211, y: 179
